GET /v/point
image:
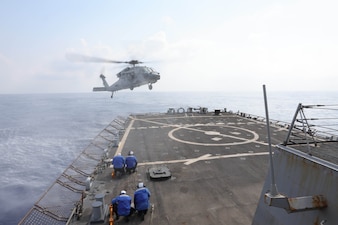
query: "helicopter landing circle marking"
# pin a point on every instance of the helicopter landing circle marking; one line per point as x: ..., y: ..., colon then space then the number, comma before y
x: 216, y: 136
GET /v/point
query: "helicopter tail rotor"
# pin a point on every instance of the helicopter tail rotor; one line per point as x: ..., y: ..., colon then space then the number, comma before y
x: 103, y: 70
x: 105, y: 83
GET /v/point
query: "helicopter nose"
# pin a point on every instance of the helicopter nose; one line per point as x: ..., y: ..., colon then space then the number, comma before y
x: 156, y: 76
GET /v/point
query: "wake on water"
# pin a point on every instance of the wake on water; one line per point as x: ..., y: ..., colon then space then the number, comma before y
x: 41, y: 134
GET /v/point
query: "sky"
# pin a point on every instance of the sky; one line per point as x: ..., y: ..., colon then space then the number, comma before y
x: 214, y: 45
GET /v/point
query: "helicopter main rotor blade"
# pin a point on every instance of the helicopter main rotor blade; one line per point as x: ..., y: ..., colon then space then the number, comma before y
x: 133, y: 62
x: 84, y: 58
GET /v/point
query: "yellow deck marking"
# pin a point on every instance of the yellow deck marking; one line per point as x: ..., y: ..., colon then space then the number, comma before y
x: 124, y: 138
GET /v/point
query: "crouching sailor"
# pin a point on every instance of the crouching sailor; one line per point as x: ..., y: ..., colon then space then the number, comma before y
x: 122, y: 205
x: 131, y: 162
x: 118, y: 163
x: 141, y: 200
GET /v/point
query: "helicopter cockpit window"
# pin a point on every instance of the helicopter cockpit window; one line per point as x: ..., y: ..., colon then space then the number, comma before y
x: 148, y: 69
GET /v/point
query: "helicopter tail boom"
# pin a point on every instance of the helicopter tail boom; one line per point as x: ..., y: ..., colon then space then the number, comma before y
x: 99, y: 89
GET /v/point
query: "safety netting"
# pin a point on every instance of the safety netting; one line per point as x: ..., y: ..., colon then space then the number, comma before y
x: 63, y: 199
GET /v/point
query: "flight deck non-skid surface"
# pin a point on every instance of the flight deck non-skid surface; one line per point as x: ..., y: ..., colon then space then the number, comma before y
x: 218, y: 166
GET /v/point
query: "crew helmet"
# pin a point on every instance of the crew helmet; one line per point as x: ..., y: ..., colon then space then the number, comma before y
x: 123, y: 192
x: 140, y: 185
x: 131, y: 153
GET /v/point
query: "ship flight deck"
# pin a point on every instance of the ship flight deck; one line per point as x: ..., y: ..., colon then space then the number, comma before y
x: 203, y: 168
x: 218, y: 164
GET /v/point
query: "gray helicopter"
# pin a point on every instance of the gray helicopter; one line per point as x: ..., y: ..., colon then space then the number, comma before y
x: 129, y: 78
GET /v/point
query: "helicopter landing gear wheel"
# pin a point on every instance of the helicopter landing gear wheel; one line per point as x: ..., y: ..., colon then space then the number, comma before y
x: 150, y: 86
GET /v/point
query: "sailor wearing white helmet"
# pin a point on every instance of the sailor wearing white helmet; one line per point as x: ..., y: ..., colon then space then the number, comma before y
x: 141, y: 200
x: 122, y: 205
x: 118, y: 163
x: 131, y: 162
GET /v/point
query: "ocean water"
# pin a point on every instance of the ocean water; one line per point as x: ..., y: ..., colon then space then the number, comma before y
x: 41, y: 134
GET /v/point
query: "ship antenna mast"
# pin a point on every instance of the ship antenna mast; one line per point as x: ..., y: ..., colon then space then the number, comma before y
x: 273, y: 198
x: 273, y: 191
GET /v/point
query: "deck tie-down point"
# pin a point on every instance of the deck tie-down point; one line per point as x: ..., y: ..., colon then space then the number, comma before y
x: 159, y: 173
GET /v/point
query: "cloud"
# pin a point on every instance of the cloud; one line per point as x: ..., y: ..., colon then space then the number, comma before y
x: 5, y: 60
x: 287, y: 44
x: 168, y: 20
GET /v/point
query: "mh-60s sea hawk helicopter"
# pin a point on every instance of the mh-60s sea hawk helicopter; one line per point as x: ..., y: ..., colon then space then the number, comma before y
x: 129, y: 78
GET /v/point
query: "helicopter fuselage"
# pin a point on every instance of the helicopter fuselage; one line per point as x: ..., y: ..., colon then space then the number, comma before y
x: 131, y: 77
x: 135, y: 76
x: 128, y: 78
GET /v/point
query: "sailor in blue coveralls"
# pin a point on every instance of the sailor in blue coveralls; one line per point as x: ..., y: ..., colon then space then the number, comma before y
x: 141, y: 200
x: 122, y: 205
x: 118, y: 163
x: 131, y: 162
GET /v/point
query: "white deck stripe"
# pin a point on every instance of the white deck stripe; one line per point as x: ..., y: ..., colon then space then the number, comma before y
x: 201, y: 158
